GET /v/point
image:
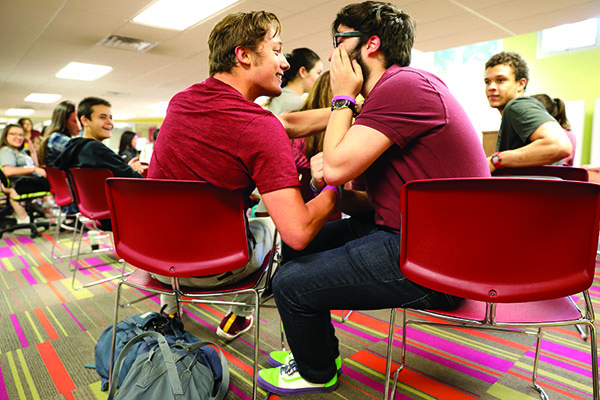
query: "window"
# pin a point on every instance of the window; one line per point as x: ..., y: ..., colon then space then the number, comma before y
x: 567, y: 38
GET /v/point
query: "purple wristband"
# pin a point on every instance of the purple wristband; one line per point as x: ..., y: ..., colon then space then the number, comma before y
x: 342, y: 97
x: 335, y: 189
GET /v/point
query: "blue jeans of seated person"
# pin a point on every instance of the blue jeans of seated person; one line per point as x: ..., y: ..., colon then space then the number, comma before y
x: 355, y: 267
x: 262, y: 229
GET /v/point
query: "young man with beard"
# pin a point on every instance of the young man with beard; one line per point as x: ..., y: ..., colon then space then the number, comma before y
x: 410, y: 127
x: 528, y: 135
x: 214, y: 132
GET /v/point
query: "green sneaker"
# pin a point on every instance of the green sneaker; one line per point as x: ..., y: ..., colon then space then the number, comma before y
x: 286, y: 380
x: 283, y: 357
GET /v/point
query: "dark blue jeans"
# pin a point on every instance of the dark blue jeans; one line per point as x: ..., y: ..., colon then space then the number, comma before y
x: 350, y: 265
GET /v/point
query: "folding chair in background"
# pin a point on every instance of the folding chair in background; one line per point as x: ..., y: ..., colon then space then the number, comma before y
x: 164, y: 245
x: 59, y: 187
x: 509, y: 262
x: 88, y: 186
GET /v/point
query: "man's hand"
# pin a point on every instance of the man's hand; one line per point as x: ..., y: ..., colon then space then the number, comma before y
x: 316, y: 170
x: 136, y: 165
x: 346, y: 74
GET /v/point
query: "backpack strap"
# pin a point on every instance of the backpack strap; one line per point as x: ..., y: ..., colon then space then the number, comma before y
x: 224, y: 366
x: 167, y: 357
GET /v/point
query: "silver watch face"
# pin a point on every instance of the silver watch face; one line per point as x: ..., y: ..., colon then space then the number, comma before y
x: 339, y: 104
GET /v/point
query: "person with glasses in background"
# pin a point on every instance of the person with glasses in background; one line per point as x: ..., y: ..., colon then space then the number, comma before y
x: 18, y: 166
x: 410, y: 127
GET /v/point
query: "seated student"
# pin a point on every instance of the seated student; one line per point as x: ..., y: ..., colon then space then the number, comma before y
x: 556, y: 108
x: 410, y: 127
x: 214, y: 132
x: 528, y: 135
x: 19, y: 167
x: 30, y: 134
x: 63, y: 126
x: 305, y: 68
x: 88, y: 151
x: 127, y: 146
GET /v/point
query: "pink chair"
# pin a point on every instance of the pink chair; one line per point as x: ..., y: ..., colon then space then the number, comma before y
x: 158, y: 243
x: 88, y: 186
x: 494, y: 242
x: 59, y: 187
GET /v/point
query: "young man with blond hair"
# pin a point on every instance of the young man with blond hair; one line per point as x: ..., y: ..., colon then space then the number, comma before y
x: 214, y: 132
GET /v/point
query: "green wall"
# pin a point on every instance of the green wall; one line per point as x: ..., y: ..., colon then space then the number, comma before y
x: 570, y: 77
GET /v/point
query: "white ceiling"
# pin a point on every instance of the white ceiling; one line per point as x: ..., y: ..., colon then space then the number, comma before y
x: 39, y: 37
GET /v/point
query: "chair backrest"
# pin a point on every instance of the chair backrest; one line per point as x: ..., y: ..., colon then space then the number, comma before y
x: 202, y: 233
x: 500, y: 239
x: 558, y: 171
x: 59, y: 186
x: 88, y: 185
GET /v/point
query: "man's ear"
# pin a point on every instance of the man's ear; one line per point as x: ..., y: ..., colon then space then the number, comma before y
x: 243, y: 55
x: 522, y: 83
x: 83, y: 121
x: 373, y: 44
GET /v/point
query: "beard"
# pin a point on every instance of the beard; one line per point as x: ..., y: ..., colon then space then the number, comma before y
x: 354, y: 54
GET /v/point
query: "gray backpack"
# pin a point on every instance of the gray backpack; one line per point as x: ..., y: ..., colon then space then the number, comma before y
x: 169, y: 371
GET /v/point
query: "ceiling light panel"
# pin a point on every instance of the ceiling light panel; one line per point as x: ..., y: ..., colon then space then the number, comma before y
x: 42, y: 98
x: 180, y: 14
x: 83, y: 71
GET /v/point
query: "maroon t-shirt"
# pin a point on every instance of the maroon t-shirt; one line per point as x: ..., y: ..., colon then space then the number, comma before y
x: 433, y: 138
x: 212, y: 133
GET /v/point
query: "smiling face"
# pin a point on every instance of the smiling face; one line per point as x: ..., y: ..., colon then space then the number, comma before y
x: 15, y: 137
x: 268, y: 65
x: 100, y: 125
x: 501, y: 86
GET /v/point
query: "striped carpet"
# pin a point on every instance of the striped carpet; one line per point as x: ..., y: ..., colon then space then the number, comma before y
x: 49, y: 331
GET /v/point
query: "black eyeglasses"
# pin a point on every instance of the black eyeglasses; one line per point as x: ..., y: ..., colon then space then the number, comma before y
x: 345, y: 34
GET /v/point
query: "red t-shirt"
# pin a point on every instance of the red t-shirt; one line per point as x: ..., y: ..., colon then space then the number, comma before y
x: 433, y: 138
x: 212, y: 133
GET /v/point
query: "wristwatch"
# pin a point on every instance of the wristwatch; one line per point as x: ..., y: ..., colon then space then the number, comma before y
x: 496, y: 160
x: 343, y: 103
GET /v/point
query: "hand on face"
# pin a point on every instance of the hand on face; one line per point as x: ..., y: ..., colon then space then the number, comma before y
x: 346, y: 74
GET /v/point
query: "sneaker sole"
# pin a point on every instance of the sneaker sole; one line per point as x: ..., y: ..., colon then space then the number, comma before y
x: 228, y: 337
x: 274, y: 363
x: 288, y: 392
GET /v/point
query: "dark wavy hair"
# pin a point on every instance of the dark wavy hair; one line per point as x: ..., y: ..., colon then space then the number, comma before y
x: 395, y: 28
x: 514, y: 61
x: 297, y: 59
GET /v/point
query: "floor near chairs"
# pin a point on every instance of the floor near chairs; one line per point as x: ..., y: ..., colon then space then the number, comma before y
x: 48, y: 332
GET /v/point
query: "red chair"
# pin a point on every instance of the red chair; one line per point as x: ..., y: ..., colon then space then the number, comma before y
x: 88, y: 186
x: 508, y: 262
x: 558, y: 171
x: 162, y: 244
x: 59, y: 187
